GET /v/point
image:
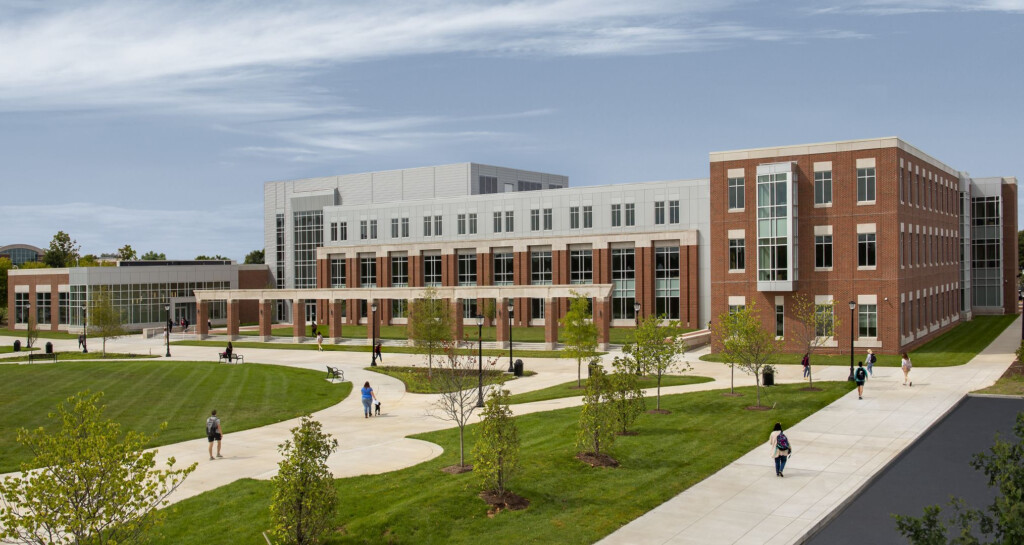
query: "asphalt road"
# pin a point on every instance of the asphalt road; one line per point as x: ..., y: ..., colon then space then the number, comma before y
x: 934, y: 468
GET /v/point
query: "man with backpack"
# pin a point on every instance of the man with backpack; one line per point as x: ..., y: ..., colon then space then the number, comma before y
x: 213, y: 432
x: 860, y: 376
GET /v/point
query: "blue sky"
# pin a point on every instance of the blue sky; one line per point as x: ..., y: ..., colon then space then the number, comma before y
x: 156, y: 124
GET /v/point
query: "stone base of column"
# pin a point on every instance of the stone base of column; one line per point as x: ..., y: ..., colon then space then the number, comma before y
x: 263, y: 338
x: 550, y: 346
x: 234, y: 337
x: 603, y: 347
x: 298, y: 339
x: 502, y: 345
x: 202, y: 336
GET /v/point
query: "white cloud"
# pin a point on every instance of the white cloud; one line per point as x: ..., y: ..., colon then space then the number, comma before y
x: 903, y: 7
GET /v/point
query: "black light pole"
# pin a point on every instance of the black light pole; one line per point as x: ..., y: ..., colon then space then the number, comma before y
x: 480, y: 360
x: 636, y: 317
x: 85, y: 331
x: 853, y: 306
x: 373, y: 332
x: 511, y: 307
x: 167, y: 335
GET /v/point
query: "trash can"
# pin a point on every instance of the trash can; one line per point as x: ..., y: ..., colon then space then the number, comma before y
x: 590, y: 369
x: 768, y: 378
x: 49, y: 347
x: 517, y: 370
x: 17, y: 345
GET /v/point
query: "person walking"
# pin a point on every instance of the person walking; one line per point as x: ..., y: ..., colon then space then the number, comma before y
x: 368, y: 397
x: 781, y: 449
x: 806, y: 363
x: 376, y: 353
x: 871, y: 362
x: 907, y: 366
x: 860, y: 376
x: 213, y: 432
x: 319, y: 341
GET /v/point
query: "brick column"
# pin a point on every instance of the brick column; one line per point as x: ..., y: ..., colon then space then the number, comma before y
x: 416, y: 271
x: 484, y: 277
x: 690, y: 313
x: 383, y: 272
x: 457, y: 329
x: 298, y: 320
x: 55, y: 306
x: 334, y: 320
x: 448, y: 269
x: 266, y: 319
x: 323, y: 280
x: 560, y: 277
x: 550, y: 323
x: 501, y: 317
x: 232, y: 319
x: 602, y: 319
x: 202, y: 318
x: 645, y: 280
x: 352, y: 272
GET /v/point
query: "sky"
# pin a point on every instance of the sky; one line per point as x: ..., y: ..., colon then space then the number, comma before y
x: 156, y: 124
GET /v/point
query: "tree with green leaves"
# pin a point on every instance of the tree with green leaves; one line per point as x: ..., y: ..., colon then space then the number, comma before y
x: 597, y: 418
x: 88, y: 481
x: 255, y: 257
x: 817, y: 324
x: 126, y: 253
x: 217, y: 257
x: 496, y: 452
x: 153, y: 256
x: 63, y: 251
x: 105, y: 319
x: 657, y: 349
x: 745, y: 342
x: 430, y: 324
x: 1002, y: 522
x: 5, y: 265
x: 579, y: 334
x: 456, y: 382
x: 624, y: 394
x: 304, y: 500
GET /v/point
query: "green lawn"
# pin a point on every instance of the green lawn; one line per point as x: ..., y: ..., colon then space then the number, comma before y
x: 955, y: 347
x: 1007, y: 386
x: 570, y: 502
x: 617, y: 335
x: 140, y: 395
x: 78, y: 356
x: 42, y: 335
x: 569, y: 389
x: 500, y: 353
x: 417, y: 382
x: 9, y: 349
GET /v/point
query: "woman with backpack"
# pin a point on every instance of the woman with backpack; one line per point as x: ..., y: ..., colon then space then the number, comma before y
x: 781, y: 449
x: 907, y: 366
x: 806, y: 363
x: 860, y: 376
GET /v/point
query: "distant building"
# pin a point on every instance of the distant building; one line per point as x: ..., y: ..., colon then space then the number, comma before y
x: 21, y: 253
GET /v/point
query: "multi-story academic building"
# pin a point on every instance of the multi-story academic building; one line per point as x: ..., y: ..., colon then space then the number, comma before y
x: 911, y: 244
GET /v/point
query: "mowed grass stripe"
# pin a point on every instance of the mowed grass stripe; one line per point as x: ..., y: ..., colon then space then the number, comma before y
x: 142, y: 394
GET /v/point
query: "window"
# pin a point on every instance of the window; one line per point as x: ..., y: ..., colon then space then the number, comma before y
x: 574, y: 217
x: 866, y: 250
x: 460, y: 224
x: 537, y: 309
x: 472, y: 223
x: 63, y: 308
x: 736, y: 309
x: 773, y: 227
x: 337, y: 272
x: 659, y: 213
x: 666, y: 282
x: 823, y: 187
x: 21, y: 306
x: 673, y: 211
x: 394, y: 227
x: 624, y: 283
x: 428, y: 224
x: 737, y: 259
x: 630, y: 214
x: 343, y: 230
x: 469, y: 308
x: 540, y: 267
x: 865, y: 184
x: 373, y: 229
x: 467, y: 270
x: 405, y: 227
x: 309, y: 235
x: 509, y: 221
x: 364, y: 230
x: 503, y: 269
x: 437, y: 226
x: 581, y: 267
x: 825, y: 321
x: 399, y: 308
x: 868, y: 320
x: 736, y: 193
x: 334, y: 232
x: 497, y: 222
x: 548, y: 219
x: 368, y: 272
x: 588, y: 216
x: 535, y: 220
x: 823, y: 251
x: 616, y: 215
x: 431, y: 270
x: 780, y: 314
x: 488, y: 184
x: 530, y: 186
x: 43, y: 308
x: 399, y: 271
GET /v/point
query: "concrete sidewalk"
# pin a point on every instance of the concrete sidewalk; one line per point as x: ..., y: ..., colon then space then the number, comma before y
x: 836, y: 452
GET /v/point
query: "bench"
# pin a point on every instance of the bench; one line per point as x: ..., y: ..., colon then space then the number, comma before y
x: 335, y: 373
x: 233, y: 358
x: 44, y: 356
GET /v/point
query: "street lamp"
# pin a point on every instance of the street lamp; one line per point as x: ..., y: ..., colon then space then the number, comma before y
x: 511, y: 307
x: 373, y: 332
x: 853, y: 306
x: 636, y: 317
x: 480, y: 360
x: 167, y: 334
x: 85, y: 331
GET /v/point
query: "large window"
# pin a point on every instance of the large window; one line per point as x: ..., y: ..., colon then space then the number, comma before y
x: 823, y: 251
x: 510, y: 221
x: 488, y: 184
x: 437, y: 226
x: 624, y: 283
x: 469, y: 308
x: 394, y: 227
x: 405, y: 227
x: 343, y: 230
x: 825, y: 321
x: 399, y: 308
x: 460, y: 224
x: 773, y: 227
x: 309, y: 233
x: 364, y: 230
x: 866, y: 250
x: 43, y: 308
x: 588, y: 216
x: 337, y: 272
x: 400, y: 271
x: 467, y: 269
x: 503, y: 270
x: 373, y: 229
x: 472, y: 223
x: 581, y: 266
x: 368, y: 272
x: 63, y: 308
x: 868, y: 320
x: 574, y: 217
x: 630, y: 214
x: 736, y: 187
x: 540, y: 267
x: 823, y: 187
x: 428, y: 225
x: 673, y: 212
x: 986, y: 252
x: 21, y: 306
x: 659, y: 212
x: 737, y: 257
x: 529, y: 186
x: 666, y: 282
x: 865, y: 184
x: 497, y: 222
x: 535, y: 220
x: 616, y: 215
x: 334, y: 231
x: 537, y: 309
x: 548, y: 219
x: 431, y: 270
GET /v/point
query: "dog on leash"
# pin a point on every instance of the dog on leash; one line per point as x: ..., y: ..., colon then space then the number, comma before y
x: 376, y: 408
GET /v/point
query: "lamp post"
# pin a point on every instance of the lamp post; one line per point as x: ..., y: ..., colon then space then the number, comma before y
x: 511, y: 308
x: 167, y: 334
x: 480, y: 360
x: 373, y: 333
x: 636, y: 318
x: 853, y: 306
x: 85, y: 331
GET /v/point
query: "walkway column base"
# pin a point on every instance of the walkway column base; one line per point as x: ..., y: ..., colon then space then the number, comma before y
x: 298, y: 320
x: 550, y: 346
x: 602, y: 347
x: 263, y: 339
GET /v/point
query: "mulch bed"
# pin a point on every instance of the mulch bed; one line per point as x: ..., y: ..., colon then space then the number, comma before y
x: 457, y: 469
x: 597, y: 460
x: 505, y: 500
x: 1016, y: 369
x: 758, y: 408
x: 659, y: 411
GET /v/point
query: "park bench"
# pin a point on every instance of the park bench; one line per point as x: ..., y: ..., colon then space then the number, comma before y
x: 335, y: 373
x: 233, y: 358
x: 43, y: 356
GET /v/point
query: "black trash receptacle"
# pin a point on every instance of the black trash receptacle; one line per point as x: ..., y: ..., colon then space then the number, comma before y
x: 49, y: 347
x: 590, y: 369
x: 768, y: 378
x: 17, y: 345
x: 517, y: 369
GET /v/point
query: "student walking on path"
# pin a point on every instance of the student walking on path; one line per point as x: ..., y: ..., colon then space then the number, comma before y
x: 806, y: 362
x: 781, y: 449
x: 368, y: 397
x: 213, y: 433
x: 376, y: 353
x: 907, y: 366
x: 319, y: 341
x: 860, y: 377
x: 871, y: 362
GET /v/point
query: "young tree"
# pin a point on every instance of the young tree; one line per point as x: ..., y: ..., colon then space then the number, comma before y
x: 153, y: 256
x: 126, y: 253
x: 579, y: 334
x: 430, y: 324
x: 624, y: 394
x: 94, y: 484
x: 5, y: 265
x: 745, y: 342
x: 63, y: 251
x: 496, y: 452
x: 597, y: 419
x: 254, y: 257
x: 304, y: 499
x: 658, y: 348
x: 31, y: 332
x: 217, y: 257
x: 457, y: 381
x: 105, y: 319
x: 817, y: 323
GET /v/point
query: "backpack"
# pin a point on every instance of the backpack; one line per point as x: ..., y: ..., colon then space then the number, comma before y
x: 211, y: 426
x: 861, y: 374
x: 782, y: 442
